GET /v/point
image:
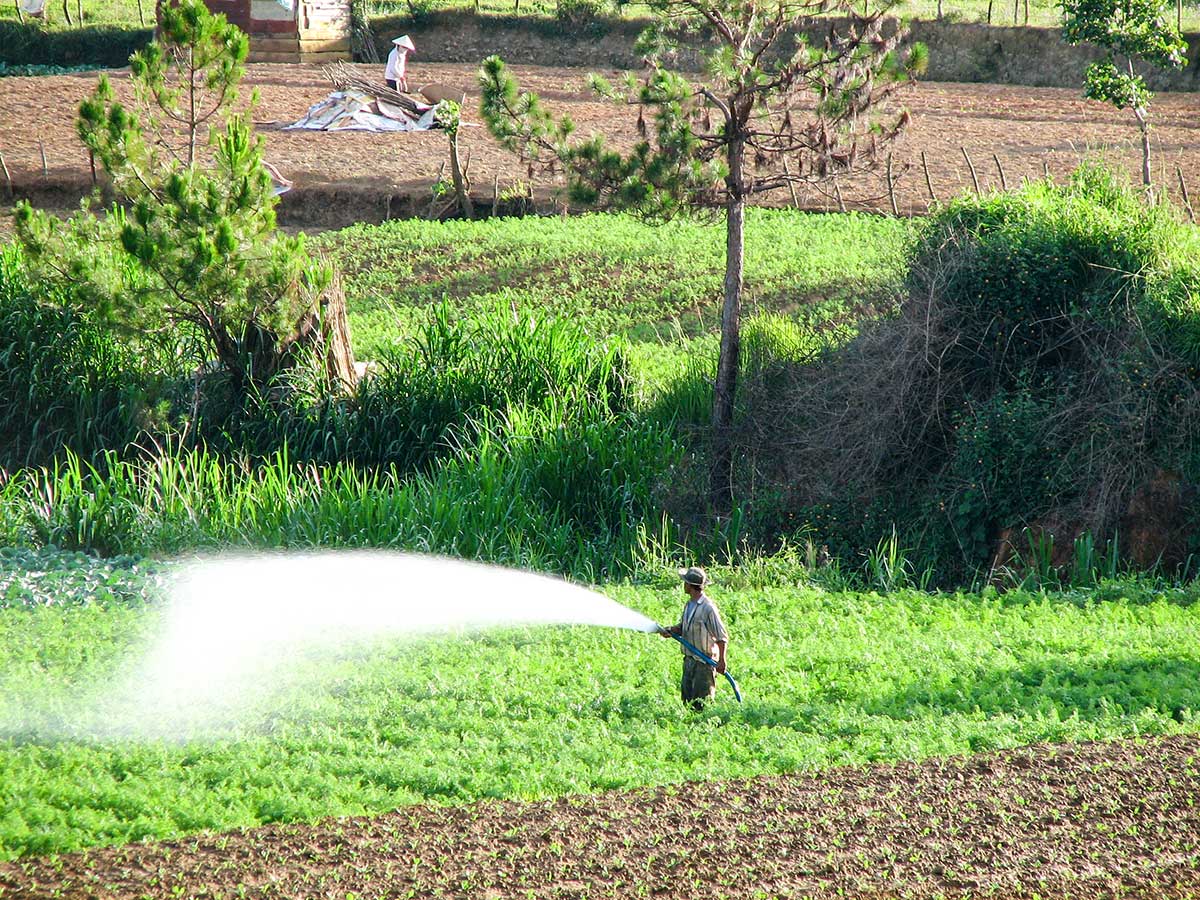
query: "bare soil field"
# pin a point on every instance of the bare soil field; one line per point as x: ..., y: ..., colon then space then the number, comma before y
x: 1053, y: 821
x: 350, y: 176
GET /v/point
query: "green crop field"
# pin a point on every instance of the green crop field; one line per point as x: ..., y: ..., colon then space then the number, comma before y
x: 828, y: 677
x: 925, y: 515
x: 614, y: 274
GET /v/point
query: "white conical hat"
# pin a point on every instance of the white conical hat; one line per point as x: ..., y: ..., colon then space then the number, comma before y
x: 404, y: 41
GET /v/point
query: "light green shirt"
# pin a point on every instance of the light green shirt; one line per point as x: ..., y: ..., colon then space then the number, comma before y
x: 702, y: 627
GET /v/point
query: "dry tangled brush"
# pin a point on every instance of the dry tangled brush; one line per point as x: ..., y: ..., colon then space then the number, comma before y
x: 1041, y: 368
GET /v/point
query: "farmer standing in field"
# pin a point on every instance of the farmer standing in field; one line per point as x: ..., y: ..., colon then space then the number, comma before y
x: 702, y: 627
x: 396, y: 73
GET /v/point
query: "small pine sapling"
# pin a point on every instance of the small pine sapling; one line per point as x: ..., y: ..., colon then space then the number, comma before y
x: 188, y: 257
x: 1129, y: 31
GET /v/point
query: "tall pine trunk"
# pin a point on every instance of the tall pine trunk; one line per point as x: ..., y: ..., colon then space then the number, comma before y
x: 727, y: 363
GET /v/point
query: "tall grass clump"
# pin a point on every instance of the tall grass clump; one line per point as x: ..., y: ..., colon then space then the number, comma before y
x: 1041, y: 372
x: 536, y: 489
x: 429, y: 396
x: 65, y: 380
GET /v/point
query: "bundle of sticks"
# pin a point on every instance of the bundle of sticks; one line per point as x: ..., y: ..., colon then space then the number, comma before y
x: 343, y: 78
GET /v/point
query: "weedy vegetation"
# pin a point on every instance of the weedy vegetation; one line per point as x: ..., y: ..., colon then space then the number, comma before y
x: 830, y: 678
x: 538, y: 395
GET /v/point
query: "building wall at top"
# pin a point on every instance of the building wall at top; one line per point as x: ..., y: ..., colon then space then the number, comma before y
x: 312, y: 31
x: 270, y: 17
x: 323, y: 19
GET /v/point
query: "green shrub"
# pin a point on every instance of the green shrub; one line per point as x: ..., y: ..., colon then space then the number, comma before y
x: 1042, y: 366
x: 65, y: 381
x: 578, y: 13
x: 98, y: 46
x: 1024, y: 274
x: 1002, y: 470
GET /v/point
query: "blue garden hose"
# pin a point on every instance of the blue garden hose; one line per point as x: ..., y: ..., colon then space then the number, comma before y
x: 704, y: 657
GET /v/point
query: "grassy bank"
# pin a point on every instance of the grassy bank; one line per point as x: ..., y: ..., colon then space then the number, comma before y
x: 829, y: 678
x: 613, y: 273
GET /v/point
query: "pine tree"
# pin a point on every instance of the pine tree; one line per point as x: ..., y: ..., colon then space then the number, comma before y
x: 769, y: 97
x: 188, y: 254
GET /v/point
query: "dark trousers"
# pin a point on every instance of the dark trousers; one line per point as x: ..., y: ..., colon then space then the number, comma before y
x: 392, y: 83
x: 699, y: 682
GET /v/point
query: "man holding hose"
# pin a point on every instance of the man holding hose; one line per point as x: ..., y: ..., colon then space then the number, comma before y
x: 700, y: 626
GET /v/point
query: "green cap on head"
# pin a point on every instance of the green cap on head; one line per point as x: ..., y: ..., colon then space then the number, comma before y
x: 694, y: 575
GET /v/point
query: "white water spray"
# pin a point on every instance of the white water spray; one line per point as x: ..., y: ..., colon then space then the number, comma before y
x: 234, y: 626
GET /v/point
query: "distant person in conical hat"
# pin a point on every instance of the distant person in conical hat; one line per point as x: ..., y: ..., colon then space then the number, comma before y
x: 396, y: 73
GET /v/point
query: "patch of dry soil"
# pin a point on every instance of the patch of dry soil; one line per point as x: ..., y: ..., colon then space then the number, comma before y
x: 355, y: 176
x: 1087, y: 821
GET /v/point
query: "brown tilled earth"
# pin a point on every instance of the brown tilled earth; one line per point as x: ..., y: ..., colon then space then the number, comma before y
x: 345, y: 177
x: 1086, y: 821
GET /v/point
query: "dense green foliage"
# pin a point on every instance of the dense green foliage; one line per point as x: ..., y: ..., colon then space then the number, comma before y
x: 1081, y: 378
x: 534, y: 489
x: 65, y: 381
x: 432, y: 395
x: 94, y: 46
x: 829, y: 678
x: 1041, y: 369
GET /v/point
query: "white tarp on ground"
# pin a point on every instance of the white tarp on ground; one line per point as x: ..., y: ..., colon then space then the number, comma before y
x: 358, y: 111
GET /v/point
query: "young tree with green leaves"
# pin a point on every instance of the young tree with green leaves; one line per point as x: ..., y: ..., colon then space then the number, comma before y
x: 1129, y: 31
x: 188, y: 255
x: 772, y: 109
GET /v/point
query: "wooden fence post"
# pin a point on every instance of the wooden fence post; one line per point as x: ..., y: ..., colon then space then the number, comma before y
x: 971, y: 166
x: 7, y: 177
x: 791, y: 184
x: 928, y: 180
x: 1187, y: 201
x: 892, y: 187
x: 1000, y: 168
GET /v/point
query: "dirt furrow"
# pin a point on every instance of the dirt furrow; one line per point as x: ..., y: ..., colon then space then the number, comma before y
x: 1073, y: 821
